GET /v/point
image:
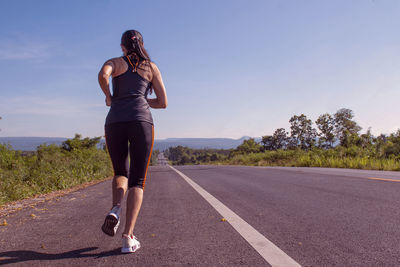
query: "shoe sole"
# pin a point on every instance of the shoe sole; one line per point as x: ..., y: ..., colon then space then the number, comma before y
x: 108, y: 226
x: 129, y: 250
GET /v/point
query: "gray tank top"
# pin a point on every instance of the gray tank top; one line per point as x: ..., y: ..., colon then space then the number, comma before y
x: 128, y: 101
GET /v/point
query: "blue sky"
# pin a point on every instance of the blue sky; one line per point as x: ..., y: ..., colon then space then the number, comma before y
x: 231, y: 68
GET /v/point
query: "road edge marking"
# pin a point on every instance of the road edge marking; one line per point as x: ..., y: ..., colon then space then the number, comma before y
x: 268, y: 250
x: 383, y: 179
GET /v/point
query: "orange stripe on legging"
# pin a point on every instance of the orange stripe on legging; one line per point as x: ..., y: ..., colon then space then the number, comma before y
x: 108, y: 152
x: 151, y: 150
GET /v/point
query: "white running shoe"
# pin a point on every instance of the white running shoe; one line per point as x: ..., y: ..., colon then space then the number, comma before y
x: 111, y: 223
x: 129, y: 244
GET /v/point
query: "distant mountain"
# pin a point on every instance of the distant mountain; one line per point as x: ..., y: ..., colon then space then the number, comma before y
x: 31, y: 143
x: 224, y: 143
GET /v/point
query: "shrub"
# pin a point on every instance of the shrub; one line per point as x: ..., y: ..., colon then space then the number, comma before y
x: 51, y: 167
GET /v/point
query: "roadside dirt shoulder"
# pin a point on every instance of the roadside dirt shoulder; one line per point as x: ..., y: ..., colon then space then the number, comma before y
x: 14, y: 206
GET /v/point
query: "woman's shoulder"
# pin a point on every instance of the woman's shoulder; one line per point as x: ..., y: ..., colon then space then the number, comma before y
x: 154, y: 67
x: 115, y: 60
x: 116, y: 63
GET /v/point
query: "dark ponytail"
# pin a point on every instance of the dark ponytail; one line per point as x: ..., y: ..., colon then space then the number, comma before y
x: 133, y: 42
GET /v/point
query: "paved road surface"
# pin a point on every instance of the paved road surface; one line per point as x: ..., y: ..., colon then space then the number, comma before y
x: 318, y: 217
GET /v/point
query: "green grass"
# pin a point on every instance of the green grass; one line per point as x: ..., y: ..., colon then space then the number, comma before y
x: 50, y: 168
x: 316, y: 158
x: 53, y: 167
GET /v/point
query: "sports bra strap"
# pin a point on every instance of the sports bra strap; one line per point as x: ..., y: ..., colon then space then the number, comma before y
x: 127, y: 62
x: 134, y: 68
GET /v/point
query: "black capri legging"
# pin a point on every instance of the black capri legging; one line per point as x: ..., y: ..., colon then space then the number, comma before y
x: 135, y: 138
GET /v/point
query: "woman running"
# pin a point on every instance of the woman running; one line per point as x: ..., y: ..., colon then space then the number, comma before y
x: 129, y: 129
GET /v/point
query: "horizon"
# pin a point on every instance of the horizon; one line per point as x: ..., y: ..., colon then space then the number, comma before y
x: 245, y: 136
x: 243, y: 71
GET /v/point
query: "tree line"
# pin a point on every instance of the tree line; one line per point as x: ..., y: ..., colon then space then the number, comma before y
x: 338, y: 133
x: 332, y: 130
x: 181, y: 155
x: 337, y: 128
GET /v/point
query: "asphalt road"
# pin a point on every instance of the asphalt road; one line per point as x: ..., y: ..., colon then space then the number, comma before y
x: 319, y: 217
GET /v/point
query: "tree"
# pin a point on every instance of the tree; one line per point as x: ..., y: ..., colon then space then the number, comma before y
x: 344, y: 125
x: 380, y: 142
x: 184, y: 160
x: 268, y: 142
x: 366, y: 140
x: 176, y: 153
x: 77, y: 143
x: 392, y: 145
x: 276, y: 141
x: 326, y: 126
x: 280, y: 138
x: 249, y: 146
x: 301, y: 131
x: 349, y: 139
x: 214, y: 157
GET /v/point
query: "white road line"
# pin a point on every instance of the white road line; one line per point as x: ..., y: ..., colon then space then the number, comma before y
x: 271, y: 253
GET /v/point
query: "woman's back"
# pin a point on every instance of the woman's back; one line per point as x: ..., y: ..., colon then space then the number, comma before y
x: 121, y: 65
x: 130, y: 91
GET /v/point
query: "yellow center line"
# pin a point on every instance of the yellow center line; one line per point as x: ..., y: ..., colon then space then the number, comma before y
x: 383, y: 179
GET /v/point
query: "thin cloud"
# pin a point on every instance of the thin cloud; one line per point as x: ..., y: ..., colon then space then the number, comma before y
x: 33, y: 105
x: 20, y: 47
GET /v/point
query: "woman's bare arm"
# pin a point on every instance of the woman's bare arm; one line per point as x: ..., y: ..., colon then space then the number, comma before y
x: 104, y: 79
x: 158, y: 86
